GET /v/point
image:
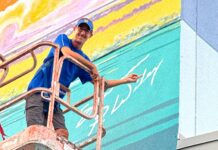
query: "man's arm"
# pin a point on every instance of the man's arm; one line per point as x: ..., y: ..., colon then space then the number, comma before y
x: 94, y: 73
x: 67, y: 52
x: 129, y: 79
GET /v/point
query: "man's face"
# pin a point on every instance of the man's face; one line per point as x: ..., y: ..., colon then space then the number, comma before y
x: 81, y: 34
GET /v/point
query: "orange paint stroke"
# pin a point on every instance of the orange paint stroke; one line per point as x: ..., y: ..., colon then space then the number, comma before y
x: 5, y: 3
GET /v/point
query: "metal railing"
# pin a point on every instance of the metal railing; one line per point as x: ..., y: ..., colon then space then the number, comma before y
x: 54, y: 91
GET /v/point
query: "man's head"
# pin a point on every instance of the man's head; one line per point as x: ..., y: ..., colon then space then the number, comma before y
x: 82, y: 32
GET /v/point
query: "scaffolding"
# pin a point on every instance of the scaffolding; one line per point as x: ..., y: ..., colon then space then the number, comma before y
x: 45, y: 137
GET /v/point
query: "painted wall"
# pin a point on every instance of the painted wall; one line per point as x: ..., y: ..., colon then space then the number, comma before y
x: 141, y: 113
x: 199, y: 68
x: 119, y: 22
x: 138, y: 36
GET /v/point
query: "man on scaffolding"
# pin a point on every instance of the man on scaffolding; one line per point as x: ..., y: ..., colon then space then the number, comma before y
x: 36, y: 106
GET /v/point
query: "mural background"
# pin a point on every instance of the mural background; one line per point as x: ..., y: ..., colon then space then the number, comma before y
x: 130, y: 36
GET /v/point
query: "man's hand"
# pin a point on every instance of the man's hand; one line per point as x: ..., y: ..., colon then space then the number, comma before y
x: 94, y: 73
x: 132, y: 78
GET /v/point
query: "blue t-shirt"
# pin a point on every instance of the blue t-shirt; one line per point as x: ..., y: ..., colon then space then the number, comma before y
x: 69, y: 72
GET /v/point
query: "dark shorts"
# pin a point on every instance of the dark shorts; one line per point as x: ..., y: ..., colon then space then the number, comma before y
x: 35, y: 114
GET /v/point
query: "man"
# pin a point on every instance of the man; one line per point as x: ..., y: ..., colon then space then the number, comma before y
x: 36, y: 107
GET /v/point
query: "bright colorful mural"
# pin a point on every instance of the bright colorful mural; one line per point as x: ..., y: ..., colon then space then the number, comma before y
x: 137, y: 36
x: 119, y: 23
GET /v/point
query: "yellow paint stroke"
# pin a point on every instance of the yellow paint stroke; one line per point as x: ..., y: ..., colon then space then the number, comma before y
x: 13, y: 16
x: 120, y: 30
x: 39, y: 9
x: 26, y: 15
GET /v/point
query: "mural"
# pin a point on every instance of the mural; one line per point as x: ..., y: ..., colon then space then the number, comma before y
x: 138, y: 36
x: 150, y: 106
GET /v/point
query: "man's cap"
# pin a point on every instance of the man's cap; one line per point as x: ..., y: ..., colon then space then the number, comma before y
x: 85, y: 21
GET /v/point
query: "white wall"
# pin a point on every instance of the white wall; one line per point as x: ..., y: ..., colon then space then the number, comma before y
x: 198, y: 79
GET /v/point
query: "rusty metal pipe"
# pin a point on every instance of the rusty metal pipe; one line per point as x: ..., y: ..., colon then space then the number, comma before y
x: 100, y: 115
x: 79, y: 103
x: 96, y: 84
x: 5, y: 69
x: 19, y: 55
x: 28, y: 50
x: 54, y: 88
x: 101, y: 130
x: 22, y: 96
x: 90, y: 140
x: 21, y: 74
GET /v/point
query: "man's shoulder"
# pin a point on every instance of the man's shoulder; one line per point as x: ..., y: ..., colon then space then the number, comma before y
x: 63, y: 36
x: 62, y: 40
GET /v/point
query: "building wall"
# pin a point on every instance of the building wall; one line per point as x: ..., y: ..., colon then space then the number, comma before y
x: 199, y: 68
x: 140, y: 37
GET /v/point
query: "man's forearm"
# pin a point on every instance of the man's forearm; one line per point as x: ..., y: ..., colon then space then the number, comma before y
x: 112, y: 83
x: 129, y: 79
x: 66, y: 51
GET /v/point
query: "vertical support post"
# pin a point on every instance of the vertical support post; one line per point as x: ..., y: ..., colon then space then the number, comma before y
x: 100, y: 115
x: 54, y: 89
